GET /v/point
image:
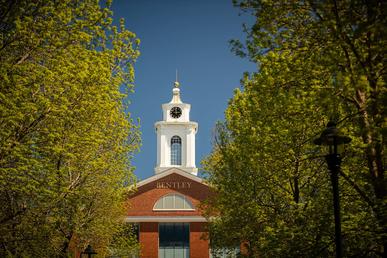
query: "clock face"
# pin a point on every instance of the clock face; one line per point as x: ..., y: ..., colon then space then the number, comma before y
x: 175, y: 112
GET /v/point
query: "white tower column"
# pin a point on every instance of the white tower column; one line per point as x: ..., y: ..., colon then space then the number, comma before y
x: 176, y: 136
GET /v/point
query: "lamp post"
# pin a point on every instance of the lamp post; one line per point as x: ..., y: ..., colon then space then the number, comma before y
x: 89, y: 251
x: 332, y: 138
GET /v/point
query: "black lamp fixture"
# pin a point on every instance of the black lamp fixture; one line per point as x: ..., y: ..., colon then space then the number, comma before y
x: 89, y: 251
x: 332, y: 138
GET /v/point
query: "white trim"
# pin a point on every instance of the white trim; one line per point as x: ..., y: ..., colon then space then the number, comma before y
x: 161, y: 123
x: 185, y: 201
x: 165, y: 219
x: 169, y: 172
x: 173, y: 209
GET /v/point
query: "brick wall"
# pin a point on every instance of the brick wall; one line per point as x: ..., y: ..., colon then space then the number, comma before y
x: 198, y: 246
x: 149, y: 239
x: 142, y: 202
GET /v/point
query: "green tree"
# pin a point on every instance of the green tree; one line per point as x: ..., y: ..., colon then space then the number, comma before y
x: 125, y: 243
x: 316, y: 60
x: 65, y: 138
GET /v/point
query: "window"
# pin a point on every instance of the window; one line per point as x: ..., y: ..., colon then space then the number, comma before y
x: 173, y: 202
x: 174, y: 240
x: 176, y: 150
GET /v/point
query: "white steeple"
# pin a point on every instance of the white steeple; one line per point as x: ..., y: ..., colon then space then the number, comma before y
x: 176, y: 136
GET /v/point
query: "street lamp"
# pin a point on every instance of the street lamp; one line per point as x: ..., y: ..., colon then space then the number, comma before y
x: 89, y: 251
x: 332, y: 138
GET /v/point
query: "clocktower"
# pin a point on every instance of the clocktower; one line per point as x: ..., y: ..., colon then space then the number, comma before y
x: 176, y: 136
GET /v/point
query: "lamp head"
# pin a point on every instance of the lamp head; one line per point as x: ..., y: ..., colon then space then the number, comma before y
x: 331, y: 136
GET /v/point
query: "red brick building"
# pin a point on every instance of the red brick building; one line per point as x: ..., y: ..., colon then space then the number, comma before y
x: 169, y: 201
x: 166, y: 205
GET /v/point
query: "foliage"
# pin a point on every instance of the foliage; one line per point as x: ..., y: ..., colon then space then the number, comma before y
x: 316, y: 61
x: 65, y: 140
x: 125, y: 243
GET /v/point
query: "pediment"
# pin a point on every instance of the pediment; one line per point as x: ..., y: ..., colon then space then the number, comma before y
x: 169, y: 172
x: 174, y: 180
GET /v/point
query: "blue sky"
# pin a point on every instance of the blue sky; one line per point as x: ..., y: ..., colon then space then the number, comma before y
x: 191, y: 36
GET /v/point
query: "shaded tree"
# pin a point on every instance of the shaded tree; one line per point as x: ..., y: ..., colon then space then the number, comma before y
x: 316, y: 61
x: 65, y: 139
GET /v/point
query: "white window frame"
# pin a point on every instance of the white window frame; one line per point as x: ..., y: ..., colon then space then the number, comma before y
x: 185, y: 201
x: 176, y: 152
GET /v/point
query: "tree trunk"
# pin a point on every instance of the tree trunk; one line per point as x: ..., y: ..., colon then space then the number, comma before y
x: 374, y: 153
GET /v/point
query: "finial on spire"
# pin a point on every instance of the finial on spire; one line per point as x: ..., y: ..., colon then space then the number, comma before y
x: 176, y: 92
x: 176, y: 84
